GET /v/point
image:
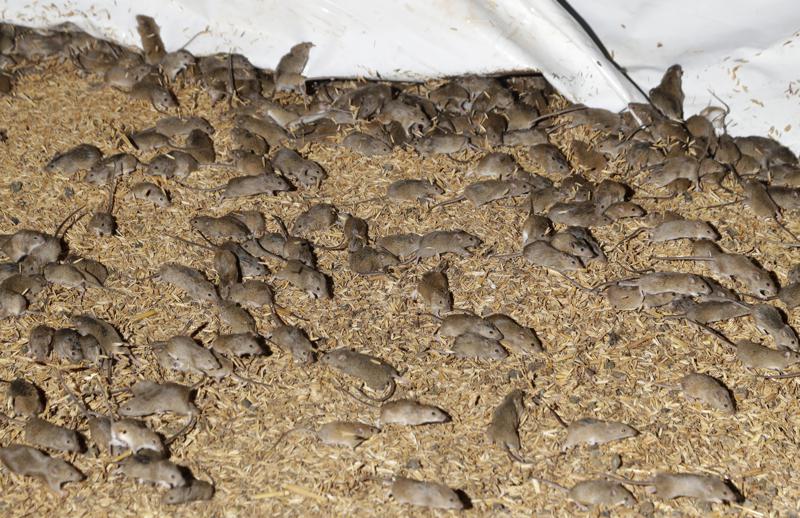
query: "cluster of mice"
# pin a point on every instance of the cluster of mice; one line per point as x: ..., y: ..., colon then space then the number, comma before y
x: 462, y: 114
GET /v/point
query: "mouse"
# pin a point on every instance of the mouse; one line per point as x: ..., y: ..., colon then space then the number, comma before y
x: 407, y: 412
x: 503, y: 430
x: 317, y: 218
x: 40, y: 340
x: 184, y: 354
x: 542, y: 253
x: 298, y: 169
x: 223, y: 227
x: 12, y: 304
x: 172, y: 126
x: 305, y: 278
x: 756, y: 356
x: 161, y: 472
x: 200, y: 145
x: 103, y: 223
x: 148, y: 191
x: 710, y: 311
x: 655, y: 283
x: 150, y: 34
x: 374, y: 372
x: 588, y: 493
x: 400, y: 245
x: 226, y: 264
x: 67, y: 345
x: 347, y: 434
x: 244, y: 140
x: 148, y: 140
x: 366, y: 145
x: 188, y: 280
x: 592, y: 432
x: 173, y: 164
x: 288, y: 73
x: 150, y: 398
x: 111, y: 342
x: 708, y: 488
x: 573, y: 213
x: 707, y: 390
x: 251, y: 293
x: 236, y: 318
x: 769, y: 320
x: 135, y: 436
x: 486, y: 191
x: 367, y: 260
x: 111, y: 168
x: 439, y: 242
x: 238, y: 344
x: 425, y: 494
x: 150, y: 89
x: 79, y: 158
x: 516, y: 337
x: 194, y: 491
x: 356, y: 231
x: 550, y: 159
x: 457, y: 324
x: 477, y: 347
x: 292, y: 339
x: 27, y: 399
x: 732, y: 267
x: 44, y: 434
x: 269, y: 184
x: 410, y: 190
x: 434, y: 290
x: 30, y: 462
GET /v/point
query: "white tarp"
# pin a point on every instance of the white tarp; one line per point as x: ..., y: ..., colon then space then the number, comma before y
x: 745, y: 53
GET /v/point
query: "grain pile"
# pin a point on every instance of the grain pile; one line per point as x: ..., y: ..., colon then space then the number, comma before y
x: 597, y: 362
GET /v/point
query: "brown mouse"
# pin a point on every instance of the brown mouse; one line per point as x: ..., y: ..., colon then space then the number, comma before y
x: 503, y: 430
x: 709, y: 391
x: 136, y: 436
x: 374, y: 372
x: 151, y: 192
x: 593, y: 432
x: 406, y: 412
x: 346, y: 434
x: 305, y: 278
x: 675, y: 485
x: 151, y: 398
x: 425, y: 494
x: 27, y: 461
x: 288, y: 76
x: 401, y: 245
x: 298, y: 169
x: 160, y: 472
x: 477, y: 347
x: 194, y: 491
x: 517, y: 338
x: 434, y: 289
x: 45, y: 434
x: 26, y: 398
x: 457, y: 324
x: 292, y: 339
x: 190, y: 281
x: 81, y: 157
x: 103, y: 223
x: 238, y: 344
x: 40, y: 342
x: 319, y: 217
x: 587, y: 493
x: 440, y: 242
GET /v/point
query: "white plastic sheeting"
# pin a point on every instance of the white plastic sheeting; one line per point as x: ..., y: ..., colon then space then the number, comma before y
x: 745, y: 53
